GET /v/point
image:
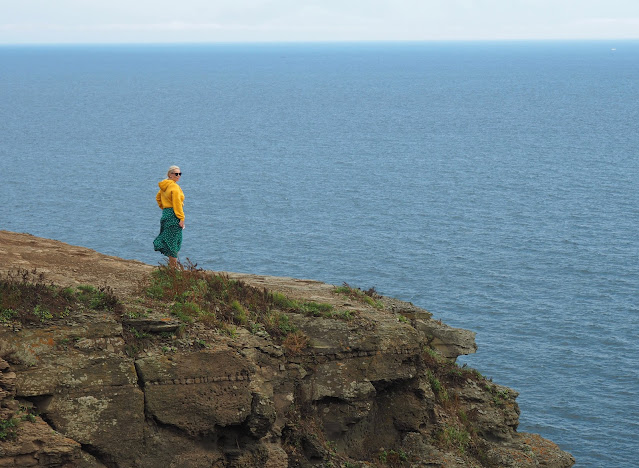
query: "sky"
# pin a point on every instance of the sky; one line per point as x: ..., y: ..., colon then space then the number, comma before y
x: 162, y: 21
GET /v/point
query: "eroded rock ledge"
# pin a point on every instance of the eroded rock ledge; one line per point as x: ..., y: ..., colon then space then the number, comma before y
x: 380, y: 391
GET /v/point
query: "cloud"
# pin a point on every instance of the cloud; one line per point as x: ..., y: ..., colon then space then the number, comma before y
x: 609, y: 21
x: 313, y: 20
x: 171, y: 26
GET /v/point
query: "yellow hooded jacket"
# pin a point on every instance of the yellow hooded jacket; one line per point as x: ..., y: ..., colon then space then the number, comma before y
x: 171, y: 196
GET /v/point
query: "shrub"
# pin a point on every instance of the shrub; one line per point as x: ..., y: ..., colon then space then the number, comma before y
x: 8, y: 428
x: 295, y: 342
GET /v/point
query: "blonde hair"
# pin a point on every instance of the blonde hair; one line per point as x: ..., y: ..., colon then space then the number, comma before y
x: 171, y: 169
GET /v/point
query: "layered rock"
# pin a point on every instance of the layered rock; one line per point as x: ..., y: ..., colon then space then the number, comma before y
x: 378, y: 389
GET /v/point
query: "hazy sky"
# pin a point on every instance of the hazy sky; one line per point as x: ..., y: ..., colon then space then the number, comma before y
x: 81, y: 21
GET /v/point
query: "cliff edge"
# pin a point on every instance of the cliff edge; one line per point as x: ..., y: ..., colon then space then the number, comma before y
x: 106, y: 362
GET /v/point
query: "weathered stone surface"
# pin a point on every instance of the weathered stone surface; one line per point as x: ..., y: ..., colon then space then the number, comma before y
x: 77, y: 376
x: 163, y: 446
x: 221, y: 363
x: 152, y: 325
x: 199, y: 391
x: 493, y: 407
x: 35, y: 444
x: 111, y: 419
x: 372, y: 334
x: 450, y: 342
x: 363, y: 387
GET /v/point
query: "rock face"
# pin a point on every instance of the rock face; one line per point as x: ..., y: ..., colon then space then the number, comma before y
x: 382, y: 390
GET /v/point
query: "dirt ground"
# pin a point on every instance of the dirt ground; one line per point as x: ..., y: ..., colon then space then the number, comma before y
x: 69, y: 265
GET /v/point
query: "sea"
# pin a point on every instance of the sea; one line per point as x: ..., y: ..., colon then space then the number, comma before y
x: 494, y: 184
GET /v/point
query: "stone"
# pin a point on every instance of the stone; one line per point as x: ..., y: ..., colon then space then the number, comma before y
x: 450, y: 342
x: 362, y: 385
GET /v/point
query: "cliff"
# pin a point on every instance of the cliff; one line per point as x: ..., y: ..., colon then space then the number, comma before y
x: 106, y: 362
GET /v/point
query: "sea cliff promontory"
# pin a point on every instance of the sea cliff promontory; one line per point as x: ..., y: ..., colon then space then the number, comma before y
x: 106, y: 362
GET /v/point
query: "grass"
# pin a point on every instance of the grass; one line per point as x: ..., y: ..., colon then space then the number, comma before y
x: 26, y: 297
x: 453, y: 437
x: 310, y: 308
x: 369, y: 296
x: 217, y: 301
x: 189, y: 293
x: 460, y: 431
x: 101, y: 298
x: 437, y: 387
x: 140, y: 335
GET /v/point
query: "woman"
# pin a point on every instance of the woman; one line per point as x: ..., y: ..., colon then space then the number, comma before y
x: 171, y: 199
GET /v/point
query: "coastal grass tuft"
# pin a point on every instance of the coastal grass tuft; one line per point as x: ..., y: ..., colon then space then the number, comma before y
x: 454, y: 437
x: 215, y: 300
x: 26, y: 297
x: 370, y: 296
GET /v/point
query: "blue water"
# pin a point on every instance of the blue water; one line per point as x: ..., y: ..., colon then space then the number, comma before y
x: 494, y: 184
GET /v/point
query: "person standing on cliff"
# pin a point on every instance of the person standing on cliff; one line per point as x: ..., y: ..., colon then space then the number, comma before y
x: 171, y: 199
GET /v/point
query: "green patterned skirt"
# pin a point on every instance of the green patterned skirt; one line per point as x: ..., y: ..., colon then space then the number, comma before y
x: 169, y: 241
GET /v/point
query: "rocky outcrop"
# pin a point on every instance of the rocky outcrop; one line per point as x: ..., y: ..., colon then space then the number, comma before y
x: 27, y: 440
x: 379, y: 389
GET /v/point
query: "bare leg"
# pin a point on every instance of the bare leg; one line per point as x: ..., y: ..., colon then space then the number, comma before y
x: 172, y: 262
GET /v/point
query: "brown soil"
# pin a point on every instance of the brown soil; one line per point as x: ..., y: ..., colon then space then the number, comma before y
x: 69, y: 265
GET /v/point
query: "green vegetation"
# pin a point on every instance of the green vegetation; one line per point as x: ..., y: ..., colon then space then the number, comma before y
x: 437, y: 387
x: 435, y: 384
x: 42, y: 313
x: 6, y: 315
x: 499, y: 396
x: 454, y: 438
x: 140, y: 335
x: 459, y: 432
x: 9, y: 426
x: 314, y: 309
x: 217, y: 301
x: 392, y: 457
x: 26, y: 297
x: 369, y: 297
x: 97, y: 298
